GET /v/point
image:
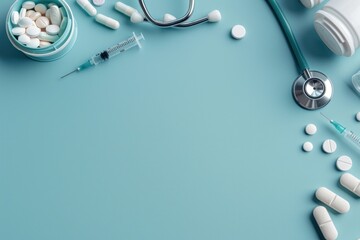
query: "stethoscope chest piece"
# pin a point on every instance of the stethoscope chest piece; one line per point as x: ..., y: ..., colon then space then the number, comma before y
x: 312, y: 90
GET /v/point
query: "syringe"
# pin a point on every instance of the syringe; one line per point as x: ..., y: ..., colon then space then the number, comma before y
x: 349, y: 135
x: 105, y: 55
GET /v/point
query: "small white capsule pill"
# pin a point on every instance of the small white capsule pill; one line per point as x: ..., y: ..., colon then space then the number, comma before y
x: 15, y: 16
x: 329, y: 146
x: 344, y: 163
x: 29, y: 12
x: 307, y: 146
x: 43, y: 36
x: 35, y: 15
x: 86, y: 5
x: 33, y: 31
x: 325, y: 223
x: 17, y: 31
x: 98, y: 2
x: 125, y: 9
x: 107, y: 21
x: 332, y: 200
x: 351, y: 183
x: 42, y: 22
x: 55, y: 15
x: 24, y: 39
x: 44, y: 44
x: 40, y: 8
x: 238, y: 32
x: 52, y: 29
x: 22, y: 13
x: 28, y: 4
x: 168, y: 17
x: 357, y: 116
x: 310, y: 129
x: 34, y: 43
x: 25, y: 22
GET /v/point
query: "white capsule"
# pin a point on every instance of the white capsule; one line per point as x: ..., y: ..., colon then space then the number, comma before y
x: 344, y: 163
x: 52, y: 30
x: 310, y: 129
x: 28, y: 4
x: 17, y: 31
x: 332, y: 200
x: 325, y: 223
x: 41, y: 8
x: 24, y: 39
x: 55, y: 15
x: 42, y: 22
x: 125, y: 9
x: 86, y: 5
x: 329, y: 146
x: 34, y: 43
x: 307, y: 146
x: 23, y: 12
x: 33, y: 31
x: 15, y: 17
x: 43, y: 36
x: 25, y: 22
x: 107, y: 21
x: 351, y: 183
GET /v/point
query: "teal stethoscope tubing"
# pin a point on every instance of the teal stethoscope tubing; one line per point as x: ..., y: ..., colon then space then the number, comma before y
x: 303, y: 65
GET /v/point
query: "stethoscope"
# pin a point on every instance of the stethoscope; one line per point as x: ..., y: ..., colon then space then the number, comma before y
x: 312, y: 89
x: 169, y: 20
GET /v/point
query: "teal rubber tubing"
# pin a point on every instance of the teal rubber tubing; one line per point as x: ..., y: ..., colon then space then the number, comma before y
x: 289, y: 35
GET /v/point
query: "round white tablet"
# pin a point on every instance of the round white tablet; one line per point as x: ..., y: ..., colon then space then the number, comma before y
x: 238, y: 32
x: 307, y: 146
x: 52, y: 29
x: 344, y: 163
x: 98, y: 2
x: 24, y: 39
x: 357, y: 117
x: 34, y: 43
x: 329, y: 146
x: 33, y: 31
x: 310, y: 129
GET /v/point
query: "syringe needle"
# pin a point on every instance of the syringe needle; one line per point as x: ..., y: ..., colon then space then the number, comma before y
x: 325, y: 116
x: 69, y: 73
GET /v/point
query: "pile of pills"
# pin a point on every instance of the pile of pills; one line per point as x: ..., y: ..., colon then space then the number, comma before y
x: 38, y: 25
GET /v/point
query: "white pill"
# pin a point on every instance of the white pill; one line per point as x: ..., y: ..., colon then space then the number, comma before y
x: 33, y: 31
x: 310, y: 3
x: 34, y: 43
x: 29, y: 12
x: 332, y: 200
x: 136, y: 17
x: 214, y: 16
x: 107, y: 21
x: 52, y: 29
x: 55, y: 15
x: 329, y: 146
x: 35, y: 15
x: 25, y: 22
x: 310, y: 129
x: 357, y: 116
x: 41, y: 8
x: 344, y: 163
x: 24, y: 39
x: 22, y: 13
x: 325, y: 223
x: 98, y: 2
x: 42, y: 22
x: 43, y: 36
x: 307, y: 146
x: 17, y: 31
x: 168, y: 17
x: 238, y: 32
x: 86, y: 5
x: 15, y: 16
x: 351, y: 183
x: 28, y: 4
x: 51, y: 4
x: 44, y: 44
x: 125, y: 9
x: 47, y: 14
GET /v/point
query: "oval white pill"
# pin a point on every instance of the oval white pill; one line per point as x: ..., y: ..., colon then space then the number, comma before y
x: 98, y: 2
x: 43, y: 36
x: 107, y: 21
x: 329, y: 146
x: 86, y: 5
x: 44, y: 44
x: 344, y: 163
x: 15, y: 16
x: 41, y: 8
x: 332, y: 200
x: 325, y: 223
x: 310, y: 129
x: 47, y: 14
x: 238, y: 32
x: 52, y: 29
x: 307, y: 146
x: 125, y: 9
x: 351, y: 183
x: 29, y: 12
x: 42, y: 22
x: 35, y: 15
x: 55, y: 15
x: 22, y: 13
x: 25, y: 22
x: 34, y: 43
x: 24, y: 39
x: 28, y: 4
x: 17, y: 31
x: 33, y: 31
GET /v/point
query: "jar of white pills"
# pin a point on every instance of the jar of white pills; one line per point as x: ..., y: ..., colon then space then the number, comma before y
x: 44, y: 30
x: 338, y: 25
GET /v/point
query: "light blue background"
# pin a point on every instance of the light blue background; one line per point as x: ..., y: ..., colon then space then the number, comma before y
x: 196, y: 136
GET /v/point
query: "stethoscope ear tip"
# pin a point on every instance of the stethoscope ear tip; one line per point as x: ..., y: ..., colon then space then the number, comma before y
x: 214, y: 16
x: 136, y: 17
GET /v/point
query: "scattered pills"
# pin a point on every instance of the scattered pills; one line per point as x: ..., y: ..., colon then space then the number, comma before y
x: 52, y: 30
x: 332, y: 200
x: 344, y: 163
x: 357, y: 117
x: 98, y: 2
x: 238, y: 32
x: 33, y: 31
x: 325, y: 223
x: 351, y: 183
x: 307, y: 146
x: 28, y: 4
x: 15, y: 16
x: 125, y: 9
x: 107, y: 21
x: 310, y: 129
x: 86, y: 5
x: 329, y: 146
